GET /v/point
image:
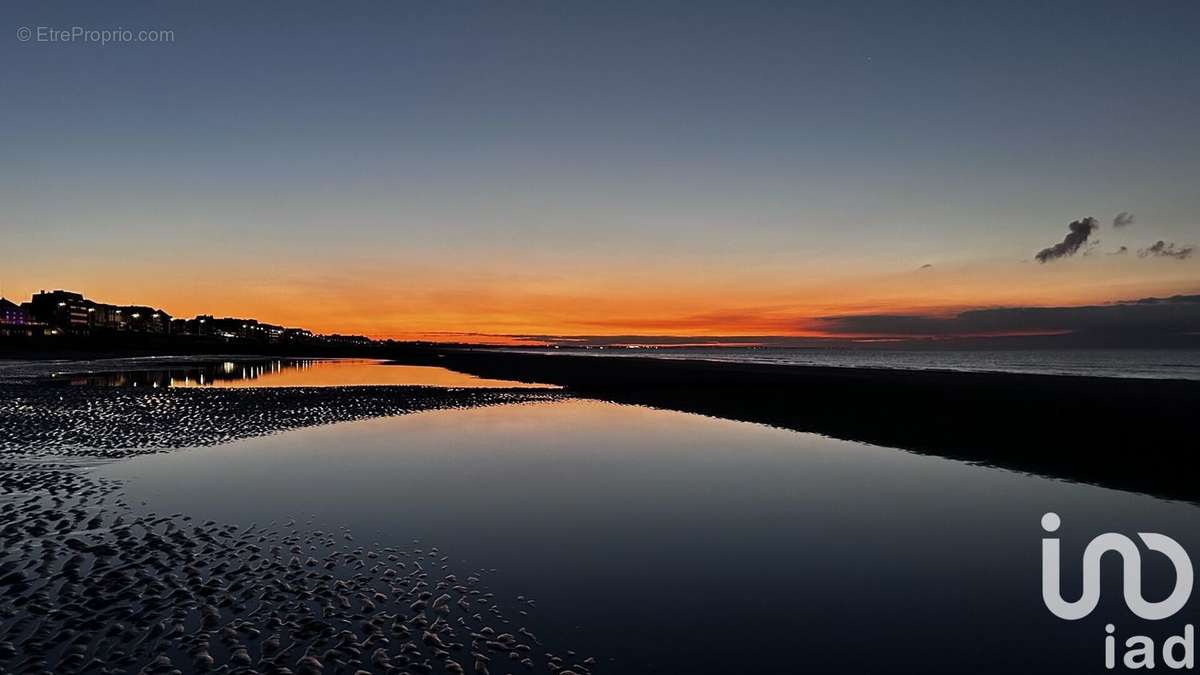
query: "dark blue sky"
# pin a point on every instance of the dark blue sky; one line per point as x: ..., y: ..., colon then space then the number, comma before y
x: 583, y: 137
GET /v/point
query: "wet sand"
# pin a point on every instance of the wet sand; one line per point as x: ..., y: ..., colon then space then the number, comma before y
x: 92, y: 584
x: 1132, y: 434
x: 37, y: 419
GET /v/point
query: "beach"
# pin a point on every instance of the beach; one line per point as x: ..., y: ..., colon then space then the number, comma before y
x: 598, y: 338
x: 1121, y: 432
x: 155, y: 527
x: 93, y: 584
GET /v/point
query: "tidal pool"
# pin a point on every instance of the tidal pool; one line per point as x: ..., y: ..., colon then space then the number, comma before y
x: 239, y: 373
x: 666, y: 542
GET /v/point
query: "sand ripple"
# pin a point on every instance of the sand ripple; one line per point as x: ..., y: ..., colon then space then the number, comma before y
x: 90, y: 585
x: 37, y: 420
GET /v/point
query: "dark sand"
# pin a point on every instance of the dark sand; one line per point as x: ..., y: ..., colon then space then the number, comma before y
x: 1134, y: 434
x: 90, y: 585
x: 41, y: 419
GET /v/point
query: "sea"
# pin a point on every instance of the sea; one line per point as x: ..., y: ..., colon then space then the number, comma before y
x: 1177, y: 364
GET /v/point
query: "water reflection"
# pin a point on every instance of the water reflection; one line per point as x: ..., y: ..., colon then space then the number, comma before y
x: 244, y: 373
x: 679, y: 543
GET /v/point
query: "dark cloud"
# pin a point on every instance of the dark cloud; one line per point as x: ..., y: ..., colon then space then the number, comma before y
x: 1077, y: 236
x: 1148, y: 318
x: 1172, y: 300
x: 1122, y: 219
x: 1171, y: 322
x: 926, y: 266
x: 1121, y: 251
x: 1162, y: 249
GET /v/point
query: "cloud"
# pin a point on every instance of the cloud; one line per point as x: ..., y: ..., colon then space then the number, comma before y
x: 1121, y: 251
x: 1077, y: 236
x: 1168, y: 322
x: 1161, y: 249
x: 1122, y: 219
x: 1147, y: 317
x: 926, y: 266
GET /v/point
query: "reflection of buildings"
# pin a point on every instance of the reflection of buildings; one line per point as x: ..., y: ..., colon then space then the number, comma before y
x: 199, y: 375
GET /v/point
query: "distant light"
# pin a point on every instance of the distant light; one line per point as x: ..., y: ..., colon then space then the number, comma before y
x: 91, y: 309
x: 62, y: 304
x: 136, y: 315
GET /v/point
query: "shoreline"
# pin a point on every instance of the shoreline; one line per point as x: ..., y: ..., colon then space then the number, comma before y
x: 1125, y: 433
x: 610, y: 354
x: 223, y: 595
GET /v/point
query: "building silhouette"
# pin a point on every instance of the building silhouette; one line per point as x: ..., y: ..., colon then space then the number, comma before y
x: 67, y: 313
x: 15, y: 321
x: 73, y: 314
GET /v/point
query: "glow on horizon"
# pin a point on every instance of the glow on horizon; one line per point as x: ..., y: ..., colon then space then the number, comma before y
x: 705, y: 170
x: 485, y: 307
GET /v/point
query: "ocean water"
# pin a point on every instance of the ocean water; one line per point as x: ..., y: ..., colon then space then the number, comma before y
x: 666, y: 542
x: 1140, y: 363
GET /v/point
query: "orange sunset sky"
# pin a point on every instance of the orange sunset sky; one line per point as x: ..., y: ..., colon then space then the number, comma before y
x: 480, y: 302
x: 741, y: 171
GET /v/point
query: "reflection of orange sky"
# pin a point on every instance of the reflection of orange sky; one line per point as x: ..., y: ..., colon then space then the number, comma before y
x: 344, y: 372
x: 476, y: 298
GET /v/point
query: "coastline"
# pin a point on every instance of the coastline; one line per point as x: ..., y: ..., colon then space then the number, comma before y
x: 1083, y: 429
x: 100, y: 537
x: 1087, y: 429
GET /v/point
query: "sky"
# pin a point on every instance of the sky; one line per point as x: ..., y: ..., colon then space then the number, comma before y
x: 689, y: 169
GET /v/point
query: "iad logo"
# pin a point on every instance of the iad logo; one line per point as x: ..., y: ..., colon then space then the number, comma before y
x: 1178, y: 651
x: 1132, y: 559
